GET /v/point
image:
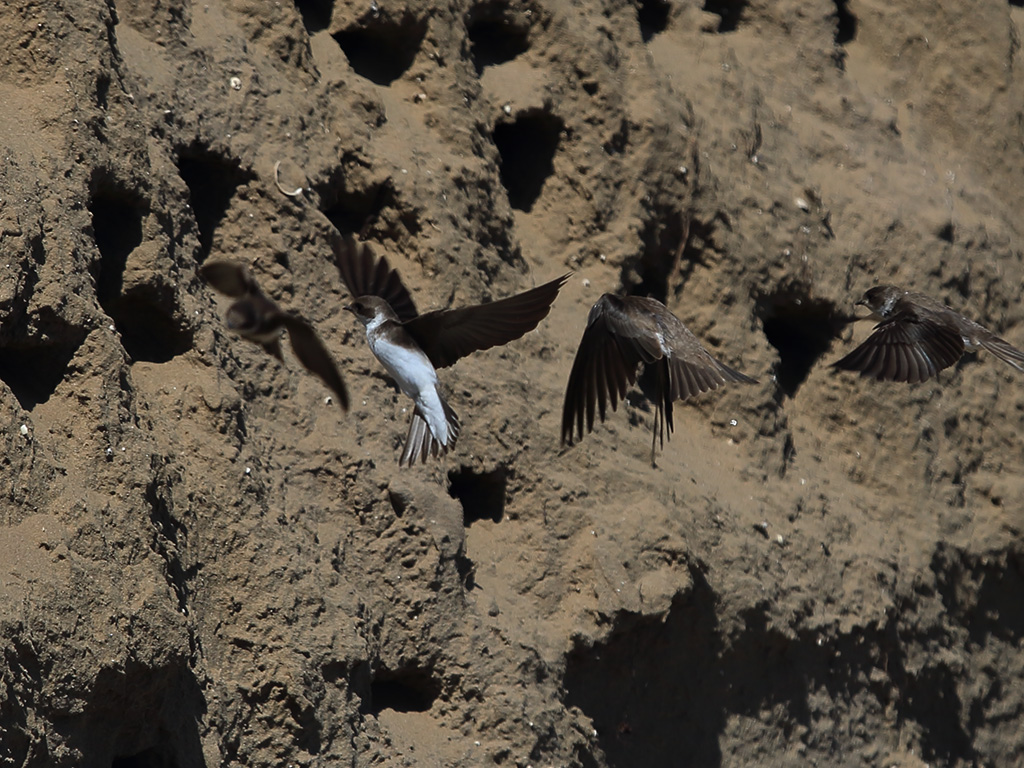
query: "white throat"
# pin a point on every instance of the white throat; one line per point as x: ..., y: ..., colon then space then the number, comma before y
x: 374, y: 322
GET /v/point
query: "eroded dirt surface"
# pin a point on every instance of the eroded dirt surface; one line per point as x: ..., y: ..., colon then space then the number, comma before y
x: 204, y: 561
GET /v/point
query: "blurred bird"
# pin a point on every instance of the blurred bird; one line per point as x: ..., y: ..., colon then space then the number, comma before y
x: 411, y: 346
x: 257, y: 318
x: 918, y: 337
x: 621, y: 333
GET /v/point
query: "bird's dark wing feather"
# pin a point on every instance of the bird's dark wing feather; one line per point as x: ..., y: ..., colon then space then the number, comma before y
x: 314, y: 356
x: 689, y: 377
x: 364, y: 275
x: 905, y: 348
x: 1003, y: 350
x: 273, y: 348
x: 611, y: 350
x: 229, y: 277
x: 622, y: 333
x: 449, y: 334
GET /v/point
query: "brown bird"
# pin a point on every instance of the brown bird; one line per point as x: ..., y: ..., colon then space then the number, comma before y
x: 621, y: 333
x: 411, y: 347
x: 918, y: 337
x: 257, y: 318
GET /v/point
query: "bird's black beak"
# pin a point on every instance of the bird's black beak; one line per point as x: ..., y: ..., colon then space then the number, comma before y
x: 349, y: 308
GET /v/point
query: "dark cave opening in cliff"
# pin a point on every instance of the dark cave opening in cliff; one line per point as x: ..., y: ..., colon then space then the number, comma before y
x: 33, y: 373
x: 801, y: 329
x: 481, y: 494
x: 527, y: 148
x: 407, y: 690
x: 846, y: 23
x: 117, y: 229
x: 316, y: 14
x: 381, y: 49
x: 730, y: 11
x: 666, y: 239
x: 495, y: 35
x: 211, y: 181
x: 653, y: 690
x: 653, y: 17
x: 353, y: 210
x: 359, y: 209
x: 145, y: 319
x: 143, y: 315
x: 150, y: 758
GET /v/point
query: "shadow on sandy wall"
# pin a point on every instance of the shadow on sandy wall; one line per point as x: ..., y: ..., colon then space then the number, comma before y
x: 660, y: 688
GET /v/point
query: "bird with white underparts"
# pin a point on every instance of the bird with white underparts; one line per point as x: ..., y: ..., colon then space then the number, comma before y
x: 411, y: 346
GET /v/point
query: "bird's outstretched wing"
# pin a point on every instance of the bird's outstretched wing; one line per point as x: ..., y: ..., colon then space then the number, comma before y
x: 1003, y: 350
x: 365, y: 275
x: 689, y: 376
x: 621, y: 333
x: 615, y: 342
x: 230, y: 278
x: 449, y: 334
x: 905, y: 348
x: 314, y: 356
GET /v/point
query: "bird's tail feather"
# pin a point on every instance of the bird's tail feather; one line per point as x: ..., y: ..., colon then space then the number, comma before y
x: 421, y: 443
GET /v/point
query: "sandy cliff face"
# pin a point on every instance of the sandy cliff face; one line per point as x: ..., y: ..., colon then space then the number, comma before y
x: 204, y: 561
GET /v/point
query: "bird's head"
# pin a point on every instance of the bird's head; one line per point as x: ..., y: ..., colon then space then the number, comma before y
x: 242, y: 316
x: 371, y: 310
x: 881, y: 299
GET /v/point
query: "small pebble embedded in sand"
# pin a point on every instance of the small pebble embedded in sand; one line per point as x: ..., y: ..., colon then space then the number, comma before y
x: 24, y: 430
x: 236, y: 83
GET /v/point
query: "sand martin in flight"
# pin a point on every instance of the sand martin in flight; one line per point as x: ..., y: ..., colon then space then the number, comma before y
x: 918, y: 337
x: 621, y: 333
x: 411, y: 346
x: 257, y: 318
